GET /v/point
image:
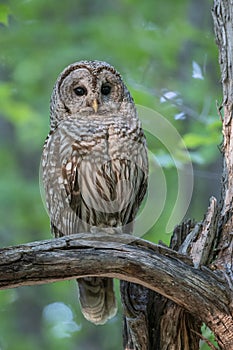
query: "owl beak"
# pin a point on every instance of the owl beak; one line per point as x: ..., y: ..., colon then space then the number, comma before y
x: 95, y: 105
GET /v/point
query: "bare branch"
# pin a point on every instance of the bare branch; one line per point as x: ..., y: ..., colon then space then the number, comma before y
x: 125, y: 257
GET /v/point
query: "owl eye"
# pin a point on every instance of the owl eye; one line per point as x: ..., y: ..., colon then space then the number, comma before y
x: 80, y: 91
x: 105, y: 89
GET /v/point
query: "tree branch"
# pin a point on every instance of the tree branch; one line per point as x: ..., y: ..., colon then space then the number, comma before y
x: 127, y: 258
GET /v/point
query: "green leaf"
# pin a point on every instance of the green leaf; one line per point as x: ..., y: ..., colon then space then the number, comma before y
x: 193, y: 140
x: 4, y: 14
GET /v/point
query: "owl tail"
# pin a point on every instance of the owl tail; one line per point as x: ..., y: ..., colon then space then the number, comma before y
x: 97, y: 299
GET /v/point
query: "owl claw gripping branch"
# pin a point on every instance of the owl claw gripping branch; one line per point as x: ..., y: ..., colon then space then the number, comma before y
x: 94, y: 165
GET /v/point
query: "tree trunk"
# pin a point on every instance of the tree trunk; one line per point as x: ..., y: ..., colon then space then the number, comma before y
x: 223, y: 25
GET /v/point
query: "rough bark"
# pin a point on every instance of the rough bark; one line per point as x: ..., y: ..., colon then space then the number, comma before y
x: 156, y: 267
x: 223, y: 25
x: 169, y: 325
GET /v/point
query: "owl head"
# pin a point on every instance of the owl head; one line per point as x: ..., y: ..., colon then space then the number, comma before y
x: 88, y: 88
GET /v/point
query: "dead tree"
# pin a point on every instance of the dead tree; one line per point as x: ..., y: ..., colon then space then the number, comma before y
x: 167, y: 293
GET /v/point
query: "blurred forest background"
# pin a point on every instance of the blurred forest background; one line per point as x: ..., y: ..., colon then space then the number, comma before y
x: 166, y: 53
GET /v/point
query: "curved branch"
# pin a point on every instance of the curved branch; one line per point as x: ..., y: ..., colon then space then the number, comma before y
x: 121, y: 256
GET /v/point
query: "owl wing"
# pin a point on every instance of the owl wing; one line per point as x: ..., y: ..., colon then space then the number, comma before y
x: 60, y: 180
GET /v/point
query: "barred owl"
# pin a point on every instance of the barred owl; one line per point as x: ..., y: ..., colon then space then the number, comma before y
x: 94, y: 166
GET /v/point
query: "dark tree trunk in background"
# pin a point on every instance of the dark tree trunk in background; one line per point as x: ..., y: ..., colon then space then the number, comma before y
x: 153, y: 322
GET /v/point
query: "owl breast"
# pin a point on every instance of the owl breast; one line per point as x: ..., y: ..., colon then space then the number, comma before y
x: 97, y: 172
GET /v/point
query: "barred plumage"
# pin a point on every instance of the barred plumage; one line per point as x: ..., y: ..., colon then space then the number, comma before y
x: 94, y: 165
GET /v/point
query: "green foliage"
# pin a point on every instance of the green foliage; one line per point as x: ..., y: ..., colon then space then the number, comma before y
x: 4, y: 14
x: 159, y: 48
x: 207, y: 334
